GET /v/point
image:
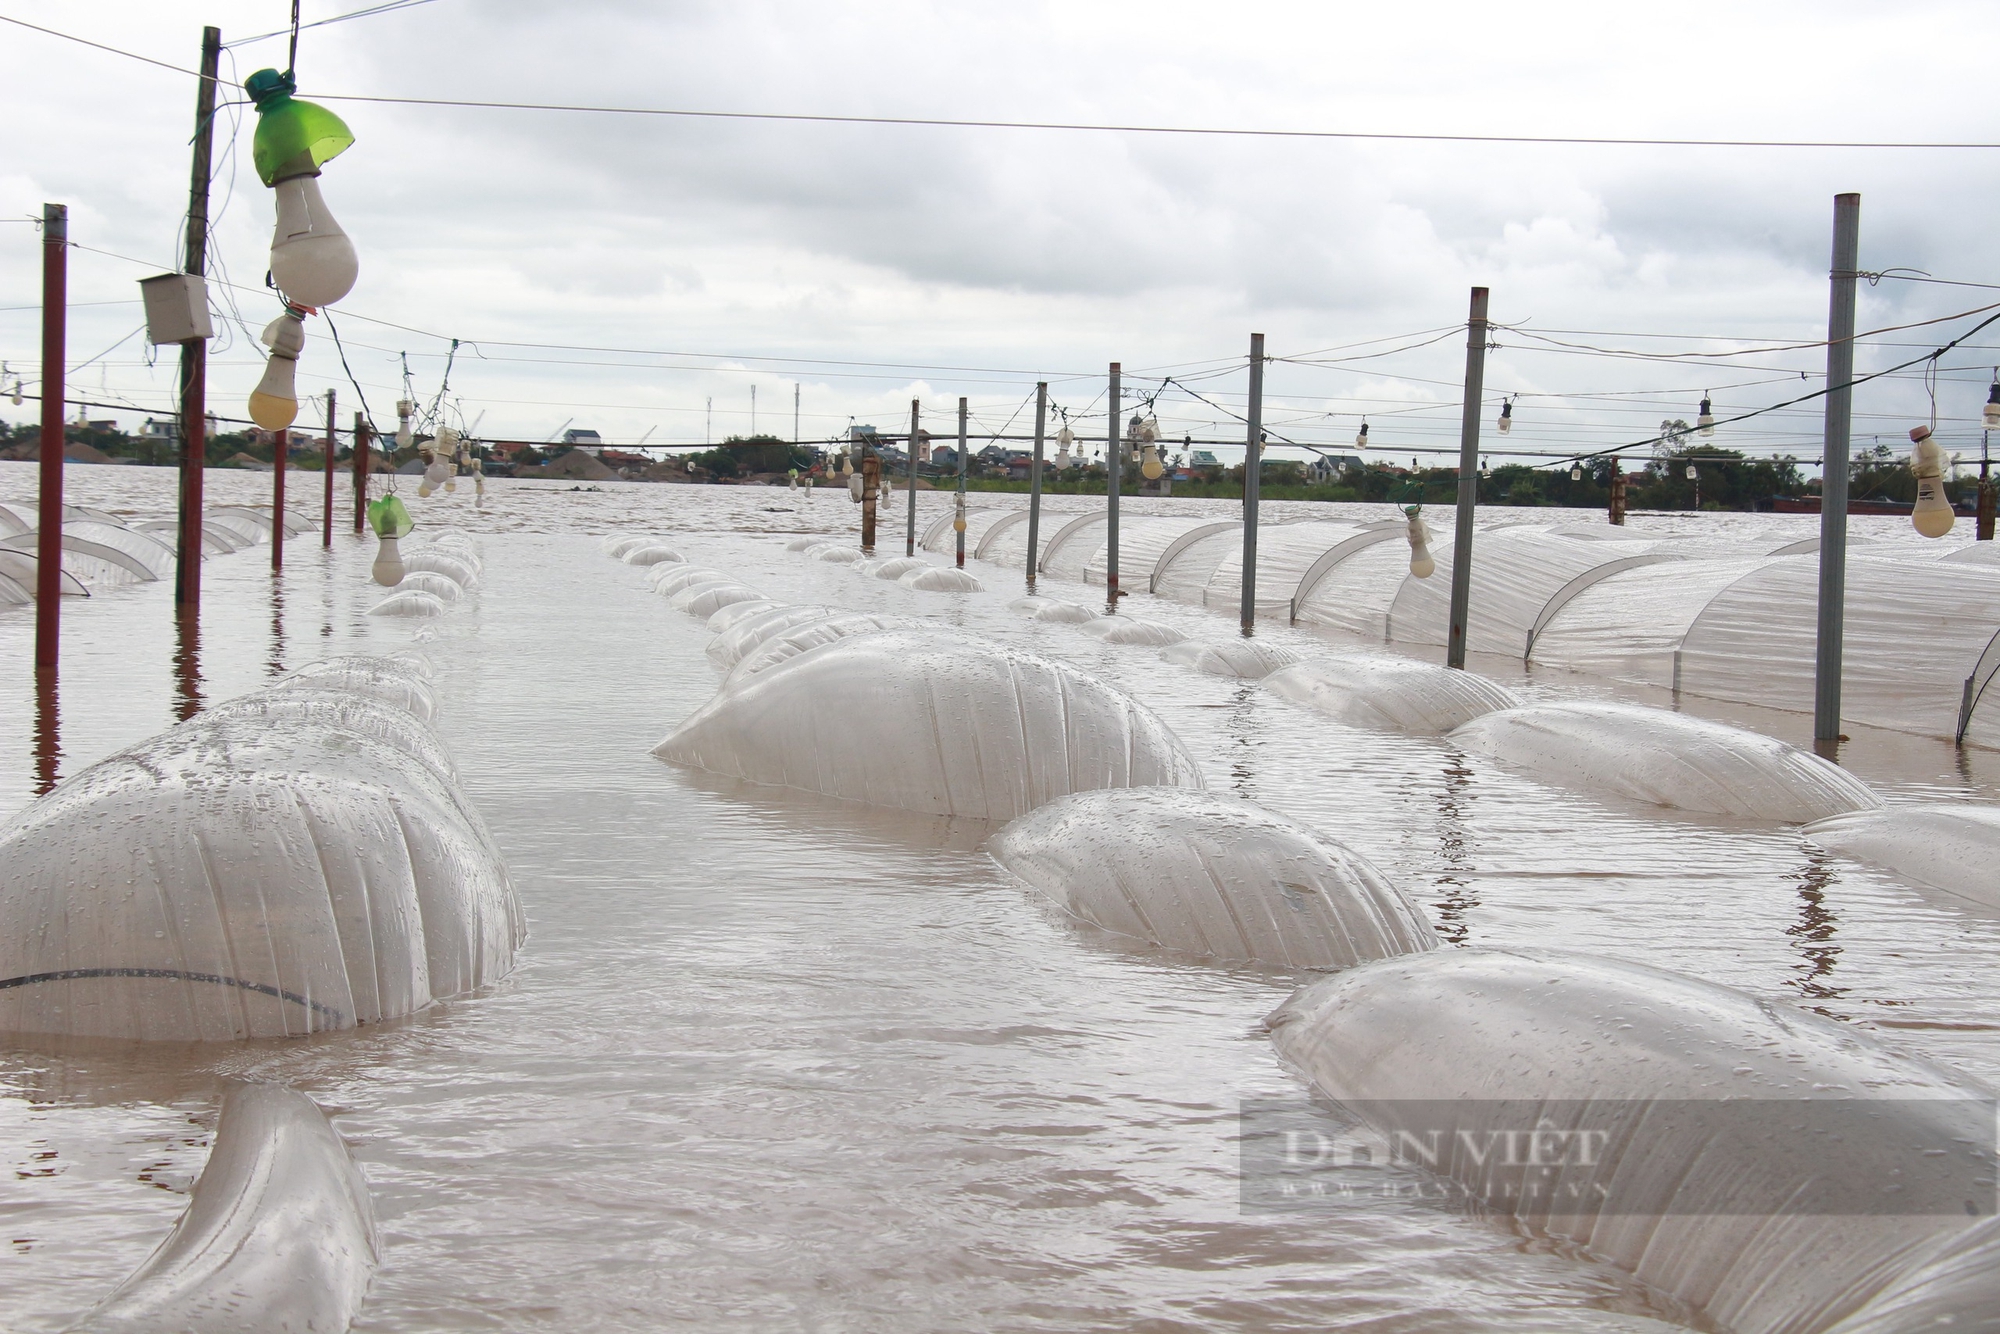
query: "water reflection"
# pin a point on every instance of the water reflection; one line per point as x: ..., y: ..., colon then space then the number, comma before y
x: 48, y: 732
x: 276, y: 662
x: 1454, y: 803
x: 1812, y: 936
x: 187, y: 664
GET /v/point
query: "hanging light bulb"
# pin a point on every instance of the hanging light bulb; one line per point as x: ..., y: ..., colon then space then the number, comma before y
x: 274, y: 403
x: 405, y: 410
x: 1422, y: 565
x: 390, y: 521
x: 1064, y: 439
x: 847, y: 467
x: 1932, y: 514
x: 1361, y: 436
x: 1691, y: 473
x: 1706, y: 419
x: 1576, y: 472
x: 1990, y: 419
x: 1507, y: 416
x: 312, y: 260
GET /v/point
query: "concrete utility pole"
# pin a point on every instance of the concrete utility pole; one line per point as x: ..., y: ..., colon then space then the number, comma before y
x: 1833, y: 472
x: 326, y: 509
x: 958, y: 517
x: 1983, y: 508
x: 795, y: 414
x: 1468, y: 477
x: 194, y: 352
x: 1112, y: 446
x: 49, y: 509
x: 360, y: 472
x: 910, y: 519
x: 1253, y: 475
x: 1035, y: 479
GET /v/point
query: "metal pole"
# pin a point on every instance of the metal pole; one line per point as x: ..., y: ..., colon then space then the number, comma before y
x: 360, y: 471
x: 1833, y: 472
x: 1035, y: 480
x: 795, y: 415
x: 194, y: 352
x: 958, y: 519
x: 1111, y: 484
x: 326, y: 509
x: 55, y: 387
x: 1983, y: 508
x: 281, y: 448
x: 1253, y: 474
x: 910, y: 519
x: 1468, y: 477
x: 49, y: 519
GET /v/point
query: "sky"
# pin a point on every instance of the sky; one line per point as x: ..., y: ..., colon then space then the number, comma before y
x: 642, y: 275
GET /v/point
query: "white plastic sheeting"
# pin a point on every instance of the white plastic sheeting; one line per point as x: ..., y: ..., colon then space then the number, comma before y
x: 704, y: 600
x: 1210, y: 874
x: 653, y: 554
x: 439, y: 587
x: 409, y: 602
x: 1245, y: 659
x: 396, y: 680
x: 430, y: 558
x: 790, y: 642
x: 1142, y: 540
x: 1130, y: 630
x: 1386, y: 693
x: 1955, y: 848
x: 836, y: 555
x: 932, y: 722
x: 1955, y: 1286
x: 1629, y: 625
x: 730, y: 645
x: 1452, y: 1046
x: 898, y: 566
x: 249, y: 876
x: 278, y: 1234
x: 667, y: 580
x: 737, y: 612
x: 806, y: 543
x: 618, y: 544
x: 1355, y: 596
x: 1062, y: 613
x: 346, y: 709
x: 940, y: 579
x: 1667, y: 759
x: 1284, y: 553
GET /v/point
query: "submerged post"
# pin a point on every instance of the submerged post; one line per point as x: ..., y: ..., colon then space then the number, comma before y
x: 958, y: 518
x: 1468, y: 477
x: 1111, y: 467
x: 326, y: 509
x: 1253, y: 475
x: 281, y: 448
x: 360, y: 471
x: 1035, y: 479
x: 910, y: 519
x: 1833, y: 469
x: 194, y: 352
x: 49, y: 506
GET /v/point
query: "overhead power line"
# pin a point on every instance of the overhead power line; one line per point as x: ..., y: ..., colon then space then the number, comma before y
x: 1105, y: 127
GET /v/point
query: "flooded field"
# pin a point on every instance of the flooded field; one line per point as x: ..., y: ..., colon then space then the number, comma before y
x: 771, y: 1061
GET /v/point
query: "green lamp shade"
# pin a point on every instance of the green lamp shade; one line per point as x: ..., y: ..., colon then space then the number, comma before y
x: 388, y: 517
x: 294, y: 138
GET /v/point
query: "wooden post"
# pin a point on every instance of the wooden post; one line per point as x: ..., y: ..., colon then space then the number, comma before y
x: 1113, y: 445
x: 281, y: 448
x: 360, y: 472
x: 49, y: 512
x: 910, y: 519
x: 326, y: 508
x: 194, y: 352
x: 958, y: 518
x: 1617, y: 493
x: 871, y: 480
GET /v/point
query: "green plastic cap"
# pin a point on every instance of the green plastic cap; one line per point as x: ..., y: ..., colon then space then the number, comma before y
x: 294, y: 138
x: 388, y: 517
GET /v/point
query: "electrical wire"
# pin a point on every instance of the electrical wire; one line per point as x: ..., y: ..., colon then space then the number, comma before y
x: 1199, y: 131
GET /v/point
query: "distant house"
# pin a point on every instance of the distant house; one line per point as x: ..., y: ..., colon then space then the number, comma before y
x: 1203, y: 458
x: 590, y: 442
x: 158, y: 430
x: 1328, y: 467
x: 945, y: 456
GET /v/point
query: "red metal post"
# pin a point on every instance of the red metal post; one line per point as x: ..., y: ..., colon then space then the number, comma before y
x: 281, y: 449
x: 48, y: 538
x: 326, y: 513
